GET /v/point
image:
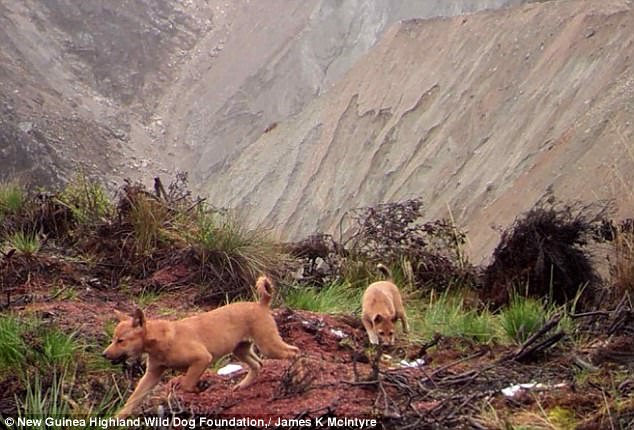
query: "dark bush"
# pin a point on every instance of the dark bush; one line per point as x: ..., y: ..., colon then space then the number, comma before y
x: 543, y: 254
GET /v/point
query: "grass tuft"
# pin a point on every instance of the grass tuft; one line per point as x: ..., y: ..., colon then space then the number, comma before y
x: 521, y: 318
x: 40, y: 401
x: 14, y: 349
x: 25, y: 243
x: 12, y: 198
x: 59, y: 349
x: 231, y: 253
x: 337, y: 297
x: 448, y: 316
x: 86, y: 199
x: 147, y: 218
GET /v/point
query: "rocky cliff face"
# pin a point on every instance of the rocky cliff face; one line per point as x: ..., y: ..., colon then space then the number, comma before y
x: 116, y: 87
x: 78, y: 78
x: 300, y: 110
x: 265, y: 60
x: 481, y: 115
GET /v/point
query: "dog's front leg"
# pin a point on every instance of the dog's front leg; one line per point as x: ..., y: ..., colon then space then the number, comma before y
x: 195, y: 371
x: 405, y: 324
x: 151, y: 377
x: 370, y: 330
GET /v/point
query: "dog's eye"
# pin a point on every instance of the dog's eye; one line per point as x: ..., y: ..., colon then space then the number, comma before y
x: 120, y: 340
x: 381, y: 333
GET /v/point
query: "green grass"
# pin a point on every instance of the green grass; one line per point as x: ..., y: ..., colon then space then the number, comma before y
x: 337, y: 297
x: 25, y: 343
x: 448, y: 316
x: 12, y: 198
x: 13, y: 349
x: 24, y: 243
x: 86, y: 199
x: 146, y: 298
x: 60, y: 397
x: 58, y: 348
x: 227, y: 244
x: 40, y: 401
x: 521, y: 318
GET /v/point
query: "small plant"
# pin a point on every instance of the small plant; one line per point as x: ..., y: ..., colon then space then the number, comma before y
x: 448, y: 316
x: 333, y: 298
x: 59, y: 349
x: 25, y: 243
x: 147, y: 218
x: 521, y: 318
x: 87, y: 200
x: 12, y: 198
x: 54, y: 399
x: 393, y: 232
x: 40, y: 401
x: 231, y: 253
x: 545, y: 249
x: 147, y: 298
x: 13, y: 350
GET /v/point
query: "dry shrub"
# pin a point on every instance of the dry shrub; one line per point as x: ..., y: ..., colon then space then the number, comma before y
x: 320, y: 257
x: 543, y: 254
x: 392, y: 233
x: 622, y: 260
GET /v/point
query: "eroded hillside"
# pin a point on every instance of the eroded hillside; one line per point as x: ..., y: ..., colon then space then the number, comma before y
x: 133, y: 88
x: 79, y: 78
x: 482, y: 115
x: 292, y: 111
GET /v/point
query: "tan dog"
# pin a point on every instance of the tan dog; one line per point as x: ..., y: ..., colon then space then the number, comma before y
x: 381, y: 306
x: 193, y: 343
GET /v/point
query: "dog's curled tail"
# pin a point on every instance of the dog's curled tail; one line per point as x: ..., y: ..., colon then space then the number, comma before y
x: 383, y: 269
x: 264, y: 287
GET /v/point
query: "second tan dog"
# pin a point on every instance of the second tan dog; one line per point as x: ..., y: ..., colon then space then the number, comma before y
x: 381, y: 307
x: 194, y: 343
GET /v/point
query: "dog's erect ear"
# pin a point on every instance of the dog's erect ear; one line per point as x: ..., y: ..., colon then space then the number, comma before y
x: 121, y: 316
x: 138, y: 319
x: 377, y: 319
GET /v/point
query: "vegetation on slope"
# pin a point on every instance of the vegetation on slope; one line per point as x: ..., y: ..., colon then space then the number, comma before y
x: 145, y: 245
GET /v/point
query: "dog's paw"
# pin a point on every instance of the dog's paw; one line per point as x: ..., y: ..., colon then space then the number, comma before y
x: 191, y: 388
x: 202, y: 385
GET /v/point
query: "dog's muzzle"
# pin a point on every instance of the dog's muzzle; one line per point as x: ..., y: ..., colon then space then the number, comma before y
x: 115, y: 360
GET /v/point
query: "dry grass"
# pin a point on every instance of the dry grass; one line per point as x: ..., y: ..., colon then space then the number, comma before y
x: 623, y: 262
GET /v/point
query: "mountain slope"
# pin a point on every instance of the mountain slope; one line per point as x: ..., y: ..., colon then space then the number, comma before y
x: 78, y: 78
x: 114, y: 87
x: 481, y: 115
x: 262, y: 63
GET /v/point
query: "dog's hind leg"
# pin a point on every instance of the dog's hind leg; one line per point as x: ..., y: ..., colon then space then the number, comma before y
x: 195, y: 370
x: 244, y: 352
x: 269, y: 341
x: 148, y: 381
x: 254, y: 356
x: 274, y: 347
